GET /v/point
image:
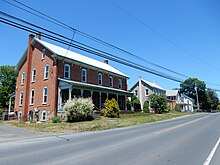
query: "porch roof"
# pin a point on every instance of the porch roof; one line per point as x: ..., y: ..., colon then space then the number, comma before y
x: 96, y: 87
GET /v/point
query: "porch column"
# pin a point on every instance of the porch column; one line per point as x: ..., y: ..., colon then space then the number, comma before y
x: 117, y: 97
x: 100, y: 100
x: 70, y: 91
x: 81, y: 92
x: 126, y: 108
x: 9, y: 108
x: 59, y: 100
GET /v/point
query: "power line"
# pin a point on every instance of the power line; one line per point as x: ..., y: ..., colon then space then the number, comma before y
x: 100, y: 53
x: 159, y: 34
x: 90, y: 37
x: 94, y: 48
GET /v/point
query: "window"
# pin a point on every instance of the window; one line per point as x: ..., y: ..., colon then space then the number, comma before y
x: 100, y: 79
x: 44, y: 115
x: 22, y: 78
x: 119, y: 84
x: 19, y: 115
x: 136, y: 92
x: 83, y: 75
x: 43, y: 53
x: 33, y: 75
x: 32, y: 97
x: 46, y: 71
x: 67, y: 71
x: 21, y: 98
x: 111, y: 81
x: 45, y: 94
x: 146, y: 92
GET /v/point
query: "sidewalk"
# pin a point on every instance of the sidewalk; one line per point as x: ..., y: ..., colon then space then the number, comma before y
x: 10, y: 133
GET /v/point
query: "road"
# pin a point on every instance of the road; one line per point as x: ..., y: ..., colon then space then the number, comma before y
x: 191, y: 140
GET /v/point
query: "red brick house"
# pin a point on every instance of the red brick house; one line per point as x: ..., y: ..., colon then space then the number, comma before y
x: 49, y: 75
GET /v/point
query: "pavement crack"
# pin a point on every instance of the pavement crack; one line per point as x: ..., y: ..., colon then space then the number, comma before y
x: 60, y: 137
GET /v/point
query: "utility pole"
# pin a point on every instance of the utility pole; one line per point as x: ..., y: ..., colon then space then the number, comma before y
x: 197, y: 98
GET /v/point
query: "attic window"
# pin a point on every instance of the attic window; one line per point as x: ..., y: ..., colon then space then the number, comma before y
x: 43, y: 53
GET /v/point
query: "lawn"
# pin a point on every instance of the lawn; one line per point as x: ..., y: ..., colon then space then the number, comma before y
x: 101, y: 124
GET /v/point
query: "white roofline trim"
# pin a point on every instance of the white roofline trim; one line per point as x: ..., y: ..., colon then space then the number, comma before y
x: 96, y: 86
x: 88, y: 61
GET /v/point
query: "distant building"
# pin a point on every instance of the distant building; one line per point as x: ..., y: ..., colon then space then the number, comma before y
x: 142, y: 89
x: 185, y: 103
x: 48, y: 76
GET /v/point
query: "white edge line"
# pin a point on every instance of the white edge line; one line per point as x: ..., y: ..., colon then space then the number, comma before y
x: 209, y: 158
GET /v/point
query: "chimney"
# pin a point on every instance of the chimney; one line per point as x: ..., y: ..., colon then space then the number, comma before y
x: 106, y: 61
x: 38, y: 35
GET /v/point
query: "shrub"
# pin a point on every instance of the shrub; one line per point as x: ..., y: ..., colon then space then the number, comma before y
x: 146, y: 107
x: 218, y: 107
x: 56, y: 119
x: 111, y: 108
x: 78, y: 109
x: 177, y: 108
x: 158, y: 103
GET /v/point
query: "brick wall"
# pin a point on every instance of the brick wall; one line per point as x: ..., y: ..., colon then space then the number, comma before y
x: 92, y: 75
x: 39, y: 64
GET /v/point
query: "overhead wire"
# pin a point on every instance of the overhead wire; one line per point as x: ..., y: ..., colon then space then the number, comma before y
x: 59, y: 23
x: 95, y: 52
x: 93, y: 38
x: 160, y: 35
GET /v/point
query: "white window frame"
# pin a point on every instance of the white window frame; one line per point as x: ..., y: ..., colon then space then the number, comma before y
x: 32, y: 97
x: 46, y: 72
x: 135, y: 92
x: 21, y: 98
x: 119, y: 84
x: 45, y: 95
x: 111, y: 81
x: 43, y: 53
x: 19, y: 115
x: 100, y: 79
x: 146, y: 92
x: 33, y: 79
x: 42, y: 116
x: 22, y: 78
x: 84, y: 71
x: 68, y: 71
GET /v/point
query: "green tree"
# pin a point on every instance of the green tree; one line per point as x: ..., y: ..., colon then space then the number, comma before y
x: 158, y: 103
x: 136, y: 102
x: 7, y: 84
x: 189, y: 86
x: 212, y: 99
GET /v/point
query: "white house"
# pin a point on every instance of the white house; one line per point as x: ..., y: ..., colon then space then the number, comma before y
x: 174, y: 97
x: 142, y: 89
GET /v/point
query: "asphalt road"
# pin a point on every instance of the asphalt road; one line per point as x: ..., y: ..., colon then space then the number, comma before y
x: 191, y: 140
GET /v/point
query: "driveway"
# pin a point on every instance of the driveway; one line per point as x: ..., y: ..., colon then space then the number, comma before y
x: 11, y: 133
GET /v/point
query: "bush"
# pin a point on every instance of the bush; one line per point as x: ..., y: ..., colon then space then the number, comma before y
x: 111, y: 108
x: 78, y: 109
x: 158, y: 103
x: 218, y: 107
x: 146, y: 107
x: 177, y: 108
x: 56, y: 119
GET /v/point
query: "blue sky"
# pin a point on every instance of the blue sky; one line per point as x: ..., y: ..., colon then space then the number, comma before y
x: 182, y: 35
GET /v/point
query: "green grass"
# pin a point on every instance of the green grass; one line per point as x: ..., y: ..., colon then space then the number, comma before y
x: 102, y: 124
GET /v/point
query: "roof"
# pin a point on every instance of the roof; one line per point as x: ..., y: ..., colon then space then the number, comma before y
x: 76, y: 83
x: 172, y: 92
x: 79, y: 58
x: 153, y: 84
